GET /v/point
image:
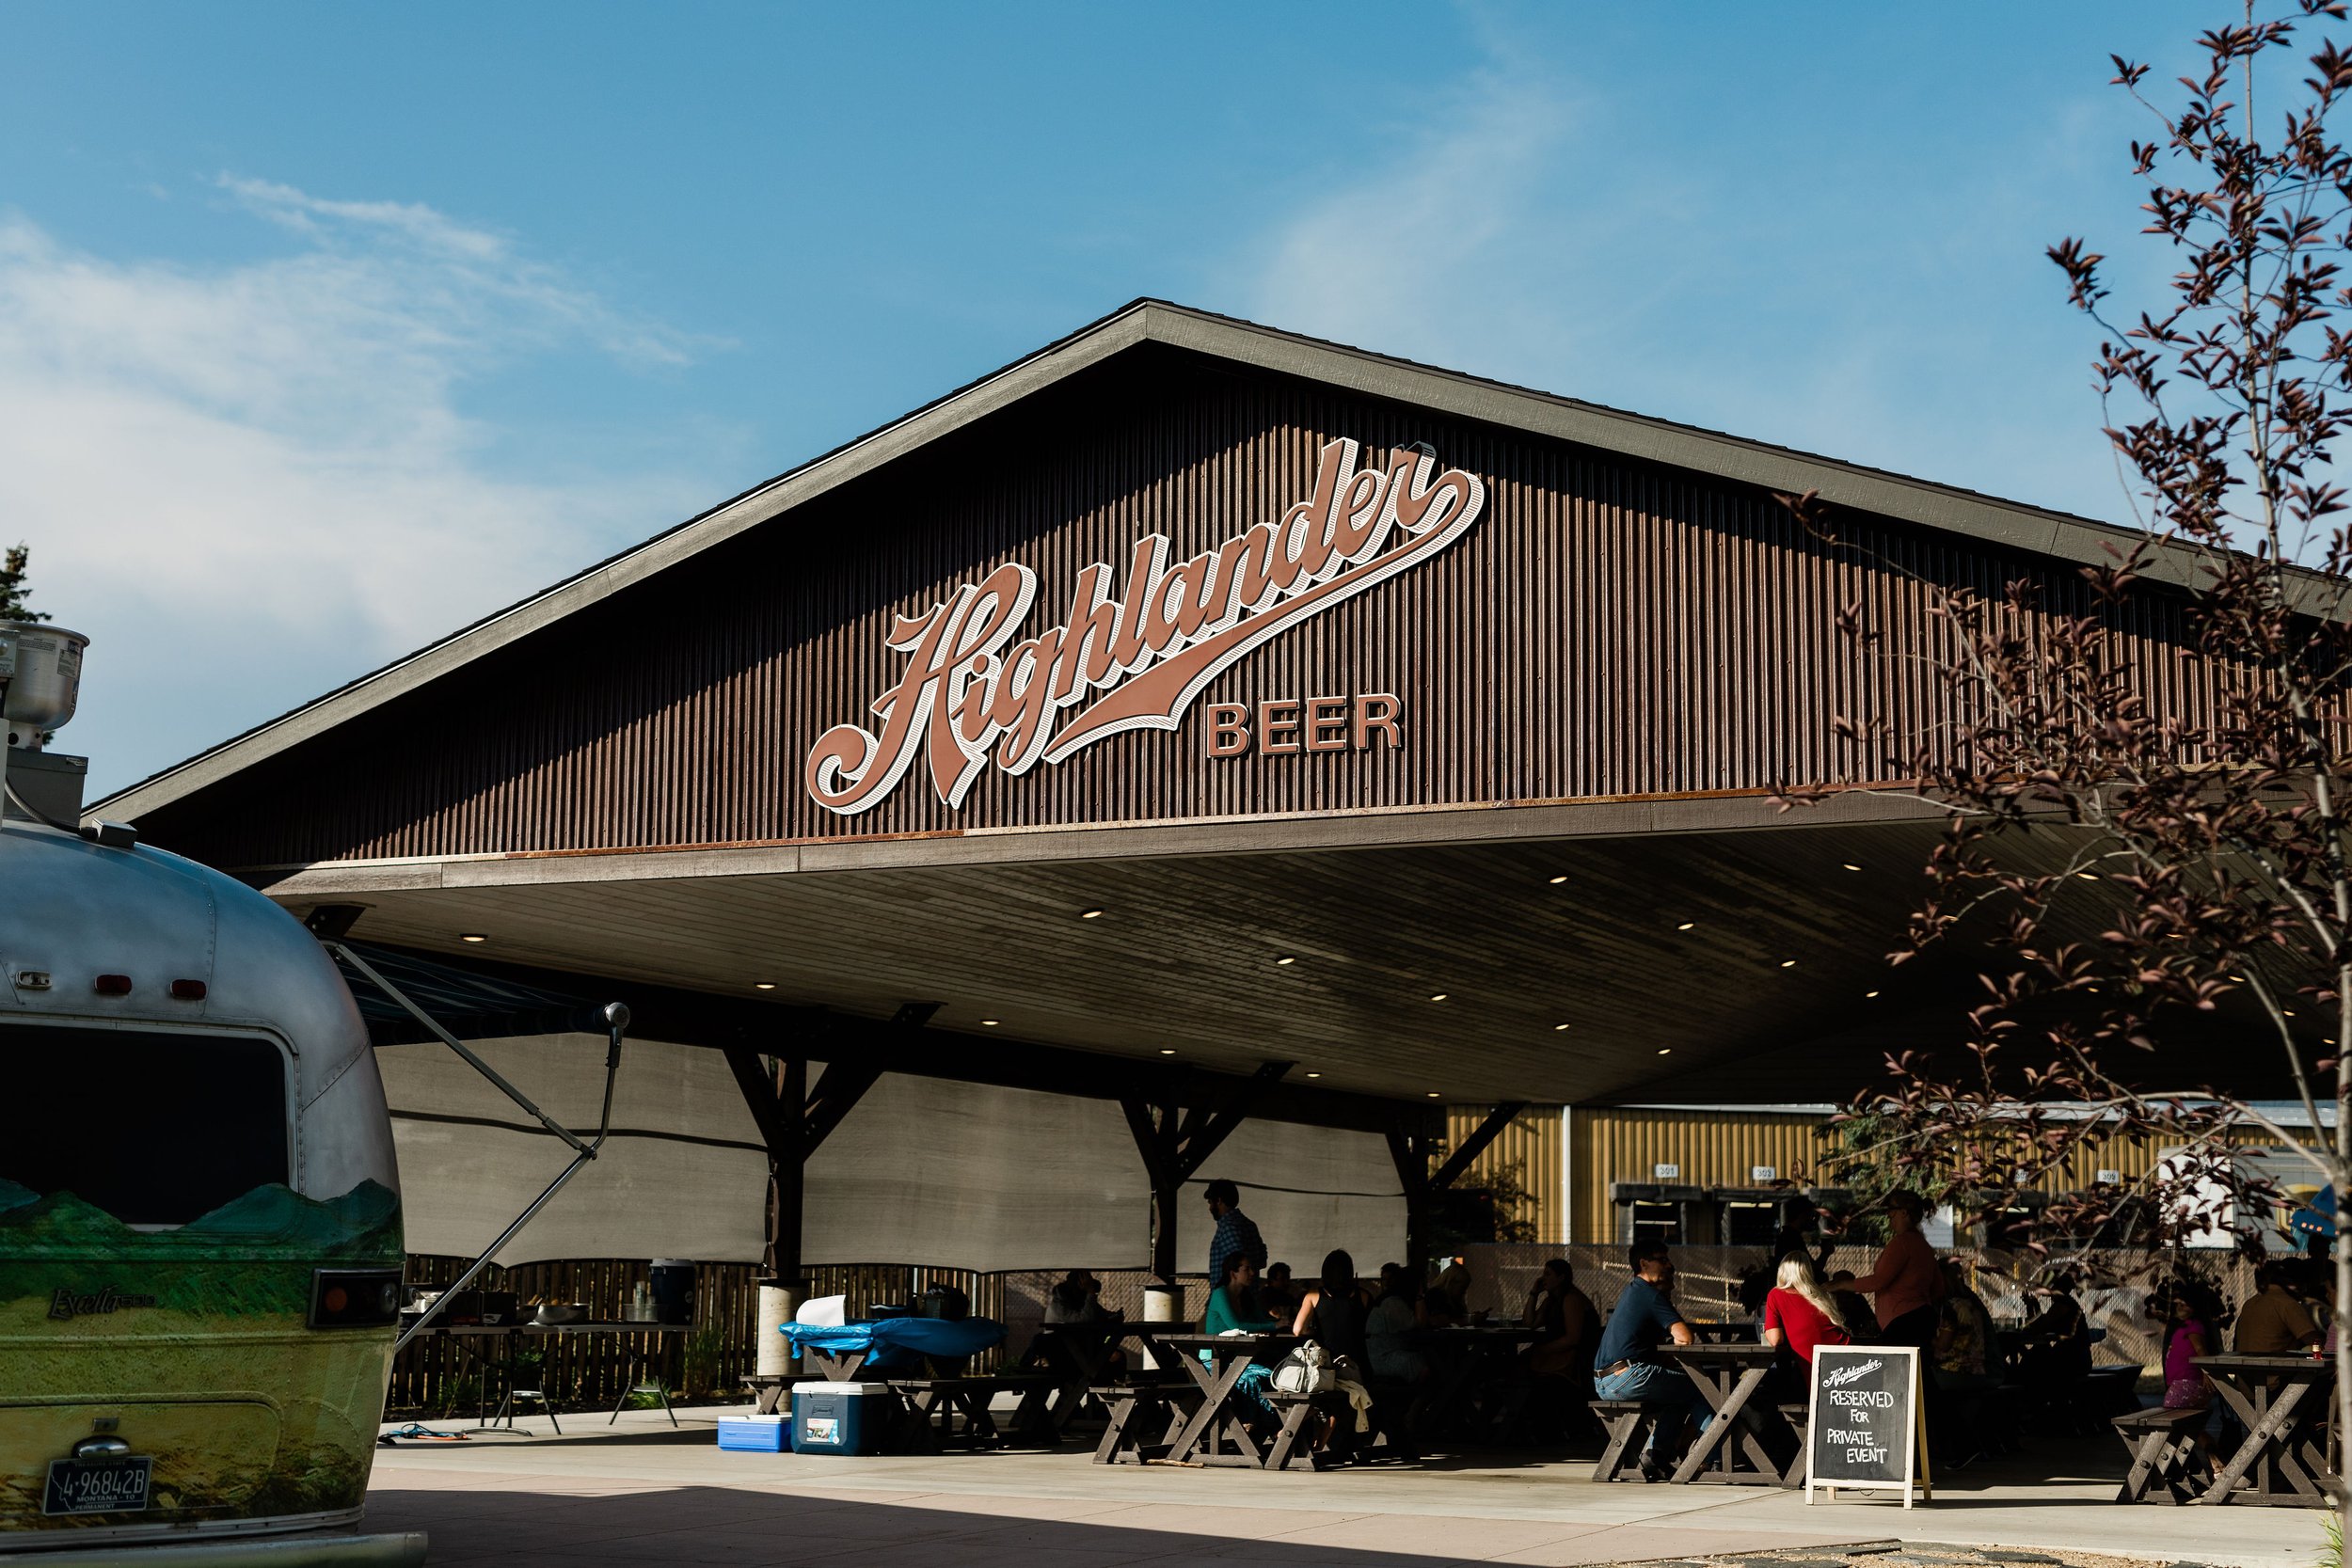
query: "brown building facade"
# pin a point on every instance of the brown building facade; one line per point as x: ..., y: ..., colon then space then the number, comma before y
x: 1212, y: 706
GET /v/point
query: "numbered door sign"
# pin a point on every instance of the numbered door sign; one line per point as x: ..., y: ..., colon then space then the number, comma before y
x: 1866, y: 1428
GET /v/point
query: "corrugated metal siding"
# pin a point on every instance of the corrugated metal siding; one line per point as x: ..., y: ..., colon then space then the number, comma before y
x: 1609, y: 628
x: 1530, y: 1148
x: 1719, y: 1149
x: 1715, y: 1148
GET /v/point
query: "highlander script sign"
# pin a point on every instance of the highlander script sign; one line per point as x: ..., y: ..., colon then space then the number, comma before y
x: 972, y: 685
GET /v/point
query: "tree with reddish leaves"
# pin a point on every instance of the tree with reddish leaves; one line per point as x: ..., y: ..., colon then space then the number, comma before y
x: 2136, y: 865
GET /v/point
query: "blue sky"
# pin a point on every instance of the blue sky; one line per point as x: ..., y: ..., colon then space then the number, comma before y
x: 324, y: 331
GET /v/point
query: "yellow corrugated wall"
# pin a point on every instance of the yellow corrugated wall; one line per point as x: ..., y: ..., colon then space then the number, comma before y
x: 1713, y: 1147
x: 1532, y: 1143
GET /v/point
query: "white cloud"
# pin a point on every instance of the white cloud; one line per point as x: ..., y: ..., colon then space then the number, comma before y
x: 1529, y: 227
x: 251, y: 481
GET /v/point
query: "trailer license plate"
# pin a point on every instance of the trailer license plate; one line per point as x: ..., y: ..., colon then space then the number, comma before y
x: 96, y: 1485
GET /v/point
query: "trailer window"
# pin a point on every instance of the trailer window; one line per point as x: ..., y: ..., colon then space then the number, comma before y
x: 154, y: 1129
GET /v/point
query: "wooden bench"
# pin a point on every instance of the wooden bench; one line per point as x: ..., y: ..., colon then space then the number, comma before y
x: 1629, y: 1424
x: 2162, y: 1444
x: 1146, y: 1419
x: 769, y: 1389
x: 940, y: 1400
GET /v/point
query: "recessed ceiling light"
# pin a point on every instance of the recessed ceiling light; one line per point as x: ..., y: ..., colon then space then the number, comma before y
x: 1850, y: 866
x: 763, y: 984
x: 1438, y: 997
x: 472, y: 936
x: 1557, y: 1027
x: 1665, y: 1050
x: 1168, y: 1050
x: 1686, y: 924
x: 2087, y: 875
x: 988, y: 1023
x: 1870, y: 994
x: 1090, y: 914
x: 1286, y: 958
x: 1435, y: 1095
x: 2289, y: 1011
x: 1314, y: 1075
x: 1788, y: 963
x: 1557, y: 880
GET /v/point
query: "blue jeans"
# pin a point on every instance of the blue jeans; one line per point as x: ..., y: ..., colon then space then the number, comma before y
x: 1646, y: 1380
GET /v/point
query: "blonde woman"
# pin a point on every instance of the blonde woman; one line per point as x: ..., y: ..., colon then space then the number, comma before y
x: 1798, y: 1313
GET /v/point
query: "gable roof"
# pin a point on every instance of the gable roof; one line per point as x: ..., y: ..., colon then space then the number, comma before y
x: 1708, y: 452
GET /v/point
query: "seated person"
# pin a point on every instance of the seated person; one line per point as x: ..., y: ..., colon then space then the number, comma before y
x: 1333, y: 1315
x: 1235, y: 1309
x: 2274, y: 1320
x: 1966, y: 1358
x: 1799, y: 1315
x: 1076, y: 1300
x: 1567, y: 1320
x: 2057, y: 1338
x: 1236, y: 1304
x: 1389, y: 1332
x: 1277, y: 1292
x: 1447, y: 1305
x: 1628, y: 1366
x: 1853, y: 1308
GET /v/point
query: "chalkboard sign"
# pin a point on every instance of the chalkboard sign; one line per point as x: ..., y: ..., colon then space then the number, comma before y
x: 1866, y: 1428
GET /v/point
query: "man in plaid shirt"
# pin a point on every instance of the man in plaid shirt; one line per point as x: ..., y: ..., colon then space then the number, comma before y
x: 1235, y: 1232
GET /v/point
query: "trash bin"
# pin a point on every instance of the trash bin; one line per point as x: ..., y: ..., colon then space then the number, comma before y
x: 673, y: 1290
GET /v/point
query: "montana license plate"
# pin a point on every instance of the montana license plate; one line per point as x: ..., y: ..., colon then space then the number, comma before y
x: 96, y: 1485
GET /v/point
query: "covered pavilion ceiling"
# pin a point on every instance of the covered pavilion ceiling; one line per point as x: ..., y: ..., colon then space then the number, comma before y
x: 1717, y: 967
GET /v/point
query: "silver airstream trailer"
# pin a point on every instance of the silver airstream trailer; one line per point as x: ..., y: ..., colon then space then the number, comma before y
x: 200, y: 1217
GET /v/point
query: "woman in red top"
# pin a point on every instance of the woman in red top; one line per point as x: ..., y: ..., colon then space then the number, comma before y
x: 1798, y: 1313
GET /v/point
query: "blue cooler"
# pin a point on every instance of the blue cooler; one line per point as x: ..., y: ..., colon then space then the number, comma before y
x: 842, y: 1417
x: 756, y: 1433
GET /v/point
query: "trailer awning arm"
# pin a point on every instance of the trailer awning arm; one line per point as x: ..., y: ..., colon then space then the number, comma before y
x: 611, y: 1019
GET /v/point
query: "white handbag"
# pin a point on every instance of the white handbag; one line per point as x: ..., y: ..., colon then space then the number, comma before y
x: 1303, y: 1371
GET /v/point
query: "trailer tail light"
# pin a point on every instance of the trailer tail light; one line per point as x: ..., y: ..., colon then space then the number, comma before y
x: 187, y: 990
x: 112, y: 985
x: 355, y: 1298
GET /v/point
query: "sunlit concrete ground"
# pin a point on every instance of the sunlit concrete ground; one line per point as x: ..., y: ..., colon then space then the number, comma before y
x: 641, y: 1493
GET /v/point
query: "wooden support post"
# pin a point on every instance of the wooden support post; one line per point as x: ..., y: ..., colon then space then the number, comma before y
x: 1414, y: 1138
x: 788, y: 1179
x: 794, y: 1120
x: 1174, y: 1142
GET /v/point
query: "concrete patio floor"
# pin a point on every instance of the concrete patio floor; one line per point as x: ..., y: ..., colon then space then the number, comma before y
x: 642, y: 1492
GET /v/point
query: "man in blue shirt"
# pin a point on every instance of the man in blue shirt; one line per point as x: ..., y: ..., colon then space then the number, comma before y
x: 1627, y: 1366
x: 1235, y: 1232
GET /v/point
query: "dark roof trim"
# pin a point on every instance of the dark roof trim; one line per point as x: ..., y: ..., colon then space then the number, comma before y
x: 1705, y: 452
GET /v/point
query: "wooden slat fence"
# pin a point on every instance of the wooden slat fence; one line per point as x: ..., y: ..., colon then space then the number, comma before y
x: 441, y: 1377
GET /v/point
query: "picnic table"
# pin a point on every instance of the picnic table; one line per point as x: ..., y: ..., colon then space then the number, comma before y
x: 1728, y: 1377
x: 1728, y: 1332
x: 1217, y: 1432
x: 2288, y: 1456
x: 1463, y: 1359
x: 1078, y: 1356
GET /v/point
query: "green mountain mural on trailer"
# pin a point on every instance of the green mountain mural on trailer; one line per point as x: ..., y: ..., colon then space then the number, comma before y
x: 207, y: 1266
